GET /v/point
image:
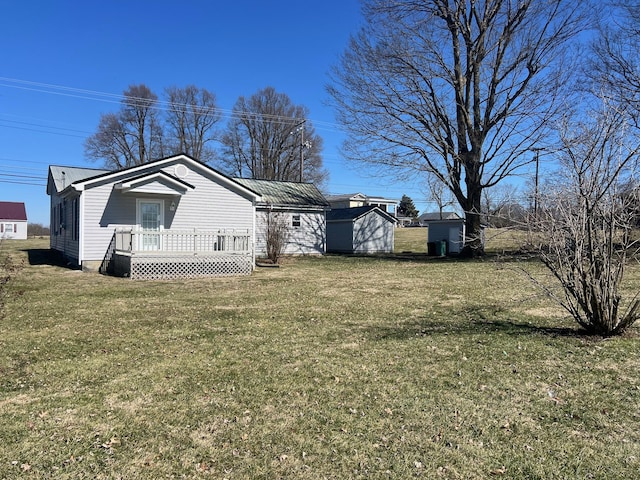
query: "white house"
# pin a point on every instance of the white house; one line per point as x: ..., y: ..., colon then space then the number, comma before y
x: 13, y: 221
x: 303, y: 208
x: 352, y: 200
x: 363, y: 230
x: 171, y: 218
x: 425, y: 218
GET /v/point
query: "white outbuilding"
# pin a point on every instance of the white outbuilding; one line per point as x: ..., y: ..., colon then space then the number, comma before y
x: 446, y: 237
x: 361, y: 230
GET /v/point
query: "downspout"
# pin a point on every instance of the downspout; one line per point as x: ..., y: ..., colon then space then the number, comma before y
x: 80, y: 229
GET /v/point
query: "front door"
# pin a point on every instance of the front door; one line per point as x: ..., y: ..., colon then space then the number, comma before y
x: 150, y: 220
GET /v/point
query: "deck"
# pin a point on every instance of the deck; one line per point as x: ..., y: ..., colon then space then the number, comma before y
x: 170, y: 254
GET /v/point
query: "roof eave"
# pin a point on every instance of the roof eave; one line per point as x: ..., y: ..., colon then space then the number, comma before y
x: 294, y: 207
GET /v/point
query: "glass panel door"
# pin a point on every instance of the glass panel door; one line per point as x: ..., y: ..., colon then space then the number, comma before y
x: 150, y: 222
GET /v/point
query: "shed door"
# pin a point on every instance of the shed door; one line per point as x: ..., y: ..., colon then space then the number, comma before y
x: 150, y: 215
x: 454, y: 239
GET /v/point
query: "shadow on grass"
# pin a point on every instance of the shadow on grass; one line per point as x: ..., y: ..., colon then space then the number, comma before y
x: 512, y: 256
x: 45, y: 256
x: 402, y: 257
x: 475, y: 320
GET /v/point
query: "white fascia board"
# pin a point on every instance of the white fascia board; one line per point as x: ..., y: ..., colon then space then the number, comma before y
x: 145, y: 184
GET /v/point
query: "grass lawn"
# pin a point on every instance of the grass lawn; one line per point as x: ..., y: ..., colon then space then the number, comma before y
x: 333, y: 367
x: 411, y: 239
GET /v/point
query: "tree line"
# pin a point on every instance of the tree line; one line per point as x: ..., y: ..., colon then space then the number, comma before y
x: 266, y: 137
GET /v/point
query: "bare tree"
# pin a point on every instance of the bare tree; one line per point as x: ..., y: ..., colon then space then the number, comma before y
x: 37, y: 230
x: 132, y: 136
x: 586, y: 220
x: 501, y: 207
x: 457, y: 88
x: 270, y: 138
x: 110, y: 143
x: 192, y: 118
x: 439, y: 194
x: 615, y: 61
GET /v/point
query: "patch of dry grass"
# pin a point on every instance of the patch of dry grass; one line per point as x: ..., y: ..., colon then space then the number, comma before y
x: 335, y: 367
x: 411, y: 239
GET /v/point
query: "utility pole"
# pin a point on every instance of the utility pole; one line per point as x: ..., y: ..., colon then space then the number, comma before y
x: 302, y: 151
x: 535, y: 188
x: 300, y: 127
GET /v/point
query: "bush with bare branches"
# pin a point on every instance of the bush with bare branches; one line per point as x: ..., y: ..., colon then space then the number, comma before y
x: 276, y: 234
x: 586, y: 223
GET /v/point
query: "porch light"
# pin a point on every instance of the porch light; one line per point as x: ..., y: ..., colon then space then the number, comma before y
x: 172, y: 207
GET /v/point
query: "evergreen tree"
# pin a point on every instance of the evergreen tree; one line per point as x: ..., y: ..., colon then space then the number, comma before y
x: 407, y: 208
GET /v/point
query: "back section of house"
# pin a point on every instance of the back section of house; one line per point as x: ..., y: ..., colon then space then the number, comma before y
x: 306, y: 231
x: 300, y: 206
x: 183, y: 194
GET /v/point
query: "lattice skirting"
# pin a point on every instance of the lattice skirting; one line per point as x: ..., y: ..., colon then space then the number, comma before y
x: 150, y: 267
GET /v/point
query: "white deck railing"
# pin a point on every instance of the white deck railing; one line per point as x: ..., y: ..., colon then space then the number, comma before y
x: 133, y: 241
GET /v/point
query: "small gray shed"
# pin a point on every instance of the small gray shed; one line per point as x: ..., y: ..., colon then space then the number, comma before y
x: 451, y: 231
x: 361, y: 230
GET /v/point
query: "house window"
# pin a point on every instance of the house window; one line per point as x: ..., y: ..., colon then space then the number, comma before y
x: 54, y: 221
x: 61, y: 218
x: 8, y: 228
x: 295, y: 220
x: 76, y: 219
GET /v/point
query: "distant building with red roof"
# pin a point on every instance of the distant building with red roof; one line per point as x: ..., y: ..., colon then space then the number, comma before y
x: 13, y: 220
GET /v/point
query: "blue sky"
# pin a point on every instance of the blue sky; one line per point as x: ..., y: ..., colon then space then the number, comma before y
x: 54, y: 53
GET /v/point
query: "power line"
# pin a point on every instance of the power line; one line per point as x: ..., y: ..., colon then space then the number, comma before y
x: 159, y: 104
x: 23, y: 183
x: 14, y: 168
x: 31, y: 124
x: 43, y: 131
x: 20, y: 176
x: 53, y: 127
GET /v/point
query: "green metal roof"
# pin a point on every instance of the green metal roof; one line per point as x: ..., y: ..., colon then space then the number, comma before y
x: 289, y: 194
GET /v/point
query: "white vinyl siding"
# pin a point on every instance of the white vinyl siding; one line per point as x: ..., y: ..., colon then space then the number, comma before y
x: 373, y: 234
x: 210, y: 205
x: 104, y: 210
x: 370, y: 233
x: 62, y: 237
x: 306, y: 239
x: 13, y: 229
